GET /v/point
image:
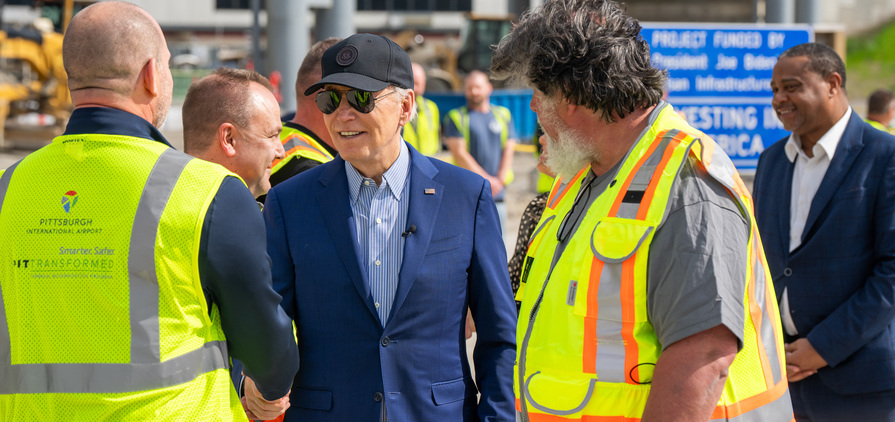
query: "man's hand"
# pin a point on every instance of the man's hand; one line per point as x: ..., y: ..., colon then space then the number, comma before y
x: 257, y: 408
x: 496, y: 185
x: 470, y: 325
x: 802, y: 361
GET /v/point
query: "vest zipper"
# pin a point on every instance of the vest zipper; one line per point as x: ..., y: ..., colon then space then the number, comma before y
x: 531, y: 321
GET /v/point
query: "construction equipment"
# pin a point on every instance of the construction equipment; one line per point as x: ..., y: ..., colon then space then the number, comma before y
x: 447, y: 59
x: 34, y: 97
x: 437, y: 54
x: 481, y: 33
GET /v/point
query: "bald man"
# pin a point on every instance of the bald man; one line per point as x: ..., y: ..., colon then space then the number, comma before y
x: 131, y: 259
x: 481, y: 137
x: 424, y: 131
x: 231, y: 118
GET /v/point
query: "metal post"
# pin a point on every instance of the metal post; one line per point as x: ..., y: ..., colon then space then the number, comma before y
x: 516, y: 7
x: 338, y: 21
x: 257, y: 59
x: 67, y: 13
x: 779, y: 11
x: 288, y: 41
x: 807, y: 11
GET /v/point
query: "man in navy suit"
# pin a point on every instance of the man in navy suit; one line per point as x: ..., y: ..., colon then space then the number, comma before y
x: 379, y: 253
x: 825, y: 205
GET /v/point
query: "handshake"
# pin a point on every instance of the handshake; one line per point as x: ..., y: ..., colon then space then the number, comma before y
x: 257, y: 407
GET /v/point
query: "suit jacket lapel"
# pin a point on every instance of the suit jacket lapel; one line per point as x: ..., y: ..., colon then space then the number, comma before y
x: 846, y: 154
x: 422, y: 212
x: 785, y: 212
x: 333, y: 202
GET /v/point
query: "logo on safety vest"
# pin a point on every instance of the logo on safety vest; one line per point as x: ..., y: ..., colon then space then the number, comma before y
x: 69, y: 200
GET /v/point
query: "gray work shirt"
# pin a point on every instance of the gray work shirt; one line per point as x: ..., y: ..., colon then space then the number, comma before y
x: 697, y: 263
x: 485, y: 145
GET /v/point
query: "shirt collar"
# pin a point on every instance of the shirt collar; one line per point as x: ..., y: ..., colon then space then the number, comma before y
x: 827, y: 143
x: 394, y: 177
x: 112, y: 121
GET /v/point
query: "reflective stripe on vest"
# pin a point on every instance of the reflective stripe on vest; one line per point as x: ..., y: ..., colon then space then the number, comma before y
x: 780, y: 406
x: 4, y: 186
x: 299, y: 144
x: 422, y: 132
x: 599, y: 366
x: 145, y: 371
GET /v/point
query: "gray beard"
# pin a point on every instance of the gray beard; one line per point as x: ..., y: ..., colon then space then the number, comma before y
x: 569, y: 154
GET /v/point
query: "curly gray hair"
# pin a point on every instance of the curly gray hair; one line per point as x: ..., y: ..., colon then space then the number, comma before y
x: 589, y: 51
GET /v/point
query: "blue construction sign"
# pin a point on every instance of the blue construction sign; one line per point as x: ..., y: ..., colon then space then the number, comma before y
x: 719, y: 76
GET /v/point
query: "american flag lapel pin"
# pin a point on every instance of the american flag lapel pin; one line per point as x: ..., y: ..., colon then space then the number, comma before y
x: 429, y: 191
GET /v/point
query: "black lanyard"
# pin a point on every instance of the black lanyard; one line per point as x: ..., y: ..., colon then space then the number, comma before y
x: 566, y: 229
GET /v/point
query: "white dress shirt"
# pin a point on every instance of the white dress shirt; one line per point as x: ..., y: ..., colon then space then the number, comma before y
x: 380, y: 218
x: 806, y: 178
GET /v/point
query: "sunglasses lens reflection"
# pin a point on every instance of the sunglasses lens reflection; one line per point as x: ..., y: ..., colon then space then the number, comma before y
x: 328, y: 101
x: 362, y: 101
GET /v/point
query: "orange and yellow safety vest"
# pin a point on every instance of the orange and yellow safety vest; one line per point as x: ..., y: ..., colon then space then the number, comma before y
x: 587, y: 354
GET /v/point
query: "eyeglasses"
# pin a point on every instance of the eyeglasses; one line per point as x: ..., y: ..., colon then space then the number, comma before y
x: 362, y: 101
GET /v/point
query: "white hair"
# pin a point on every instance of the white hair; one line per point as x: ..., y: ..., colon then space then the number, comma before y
x: 403, y: 94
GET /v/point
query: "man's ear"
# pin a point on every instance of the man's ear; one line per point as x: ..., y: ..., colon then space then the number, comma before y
x: 151, y: 78
x: 834, y: 79
x: 568, y: 107
x: 407, y: 106
x: 226, y: 138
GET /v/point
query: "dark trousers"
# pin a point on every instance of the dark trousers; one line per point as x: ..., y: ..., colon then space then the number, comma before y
x: 812, y: 401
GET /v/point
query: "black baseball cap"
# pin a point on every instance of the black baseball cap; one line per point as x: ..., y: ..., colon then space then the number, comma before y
x: 366, y: 62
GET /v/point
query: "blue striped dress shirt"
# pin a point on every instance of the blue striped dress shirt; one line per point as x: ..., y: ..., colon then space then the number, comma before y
x: 380, y: 217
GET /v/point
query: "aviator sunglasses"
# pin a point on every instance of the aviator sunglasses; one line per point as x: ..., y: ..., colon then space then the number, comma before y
x: 362, y: 101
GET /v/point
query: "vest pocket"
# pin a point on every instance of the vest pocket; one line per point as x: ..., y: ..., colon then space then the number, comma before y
x: 558, y: 395
x: 614, y: 240
x: 576, y: 394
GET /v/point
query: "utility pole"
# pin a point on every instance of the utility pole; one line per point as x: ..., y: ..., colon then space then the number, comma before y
x: 807, y: 11
x: 337, y: 21
x: 288, y: 40
x: 779, y: 11
x: 257, y: 59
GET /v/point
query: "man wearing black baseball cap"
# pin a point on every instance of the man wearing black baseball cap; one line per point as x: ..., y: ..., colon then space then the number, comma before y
x: 379, y: 253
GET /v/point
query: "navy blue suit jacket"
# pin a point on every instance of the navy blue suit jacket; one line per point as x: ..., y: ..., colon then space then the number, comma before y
x: 417, y: 363
x: 841, y: 280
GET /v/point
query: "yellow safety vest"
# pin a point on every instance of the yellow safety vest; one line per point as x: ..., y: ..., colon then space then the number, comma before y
x: 299, y: 144
x: 423, y: 132
x: 103, y: 315
x: 587, y: 351
x: 880, y: 126
x: 545, y: 182
x: 460, y: 117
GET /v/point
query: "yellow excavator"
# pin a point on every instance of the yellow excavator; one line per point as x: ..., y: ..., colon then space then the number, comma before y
x: 34, y: 98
